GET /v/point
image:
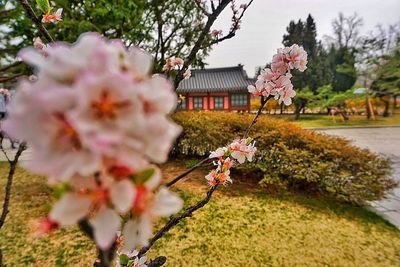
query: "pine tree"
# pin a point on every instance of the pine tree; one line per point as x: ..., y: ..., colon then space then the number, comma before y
x: 318, y: 72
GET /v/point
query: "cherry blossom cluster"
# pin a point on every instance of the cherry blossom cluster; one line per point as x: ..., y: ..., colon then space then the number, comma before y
x: 128, y: 258
x: 236, y: 153
x: 275, y: 81
x: 52, y: 17
x: 176, y: 63
x: 96, y: 119
x: 216, y: 33
x: 4, y: 92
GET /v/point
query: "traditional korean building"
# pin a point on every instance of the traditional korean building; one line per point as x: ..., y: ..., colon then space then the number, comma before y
x: 216, y: 89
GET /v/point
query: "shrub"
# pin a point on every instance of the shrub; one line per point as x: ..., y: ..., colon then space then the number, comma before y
x: 290, y: 157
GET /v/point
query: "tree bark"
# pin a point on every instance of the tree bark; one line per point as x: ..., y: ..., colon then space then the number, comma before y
x: 386, y: 112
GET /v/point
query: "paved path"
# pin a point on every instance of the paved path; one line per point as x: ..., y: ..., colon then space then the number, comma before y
x: 382, y: 140
x: 26, y: 155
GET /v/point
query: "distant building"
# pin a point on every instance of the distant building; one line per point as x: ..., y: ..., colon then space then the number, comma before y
x: 216, y: 89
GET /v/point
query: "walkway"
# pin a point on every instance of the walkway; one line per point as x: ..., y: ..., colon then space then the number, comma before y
x: 385, y: 141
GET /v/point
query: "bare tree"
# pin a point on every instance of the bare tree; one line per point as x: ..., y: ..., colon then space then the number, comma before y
x: 346, y: 31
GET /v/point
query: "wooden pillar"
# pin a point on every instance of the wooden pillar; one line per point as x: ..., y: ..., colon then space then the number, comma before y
x: 227, y: 102
x: 211, y: 102
x: 190, y: 103
x: 205, y: 102
x: 248, y: 103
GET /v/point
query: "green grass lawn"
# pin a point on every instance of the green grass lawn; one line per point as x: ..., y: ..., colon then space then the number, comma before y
x: 242, y: 226
x: 326, y: 121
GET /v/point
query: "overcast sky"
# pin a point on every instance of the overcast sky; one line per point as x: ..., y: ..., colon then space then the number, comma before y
x: 265, y: 23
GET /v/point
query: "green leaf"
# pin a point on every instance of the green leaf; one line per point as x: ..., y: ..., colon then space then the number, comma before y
x: 44, y: 6
x: 144, y: 176
x: 124, y: 259
x: 60, y: 189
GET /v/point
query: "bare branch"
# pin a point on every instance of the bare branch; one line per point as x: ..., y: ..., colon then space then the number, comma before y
x: 234, y: 27
x: 5, y: 154
x: 197, y: 46
x: 105, y: 257
x: 10, y: 178
x: 179, y: 177
x: 175, y: 220
x: 202, y: 8
x: 32, y: 15
x: 263, y: 102
x: 13, y: 65
x: 11, y: 78
x: 4, y: 12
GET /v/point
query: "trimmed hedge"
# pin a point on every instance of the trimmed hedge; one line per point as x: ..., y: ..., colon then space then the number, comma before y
x: 290, y: 157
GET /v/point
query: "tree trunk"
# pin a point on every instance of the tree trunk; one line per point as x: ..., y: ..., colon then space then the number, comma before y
x: 386, y: 112
x: 297, y: 112
x: 343, y: 114
x: 367, y: 108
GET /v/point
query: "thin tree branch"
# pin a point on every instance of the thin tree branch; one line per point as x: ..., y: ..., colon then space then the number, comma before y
x: 10, y: 78
x: 10, y: 177
x: 13, y: 65
x: 233, y: 29
x: 105, y: 257
x: 175, y: 220
x: 5, y: 154
x: 263, y: 102
x: 202, y: 8
x: 192, y: 55
x: 177, y: 178
x: 5, y: 11
x: 32, y: 15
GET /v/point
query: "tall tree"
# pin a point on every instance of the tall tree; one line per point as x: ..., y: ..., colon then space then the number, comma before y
x: 387, y: 83
x: 343, y: 47
x: 316, y: 75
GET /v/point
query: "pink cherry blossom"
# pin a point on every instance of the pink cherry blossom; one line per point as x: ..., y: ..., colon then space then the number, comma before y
x: 218, y: 153
x: 215, y: 177
x: 53, y: 18
x: 134, y: 256
x: 297, y: 58
x: 39, y: 45
x: 178, y: 61
x: 235, y: 153
x: 173, y: 63
x: 216, y: 33
x: 279, y: 63
x: 286, y: 96
x: 95, y: 201
x: 275, y: 81
x: 242, y: 150
x: 102, y: 103
x: 147, y: 206
x: 187, y: 74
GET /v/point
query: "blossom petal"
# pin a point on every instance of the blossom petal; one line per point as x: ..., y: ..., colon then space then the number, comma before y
x: 122, y: 195
x: 70, y: 209
x: 154, y: 181
x: 105, y: 224
x: 137, y: 232
x: 166, y: 203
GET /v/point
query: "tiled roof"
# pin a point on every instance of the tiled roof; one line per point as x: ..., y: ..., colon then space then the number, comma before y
x: 229, y: 79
